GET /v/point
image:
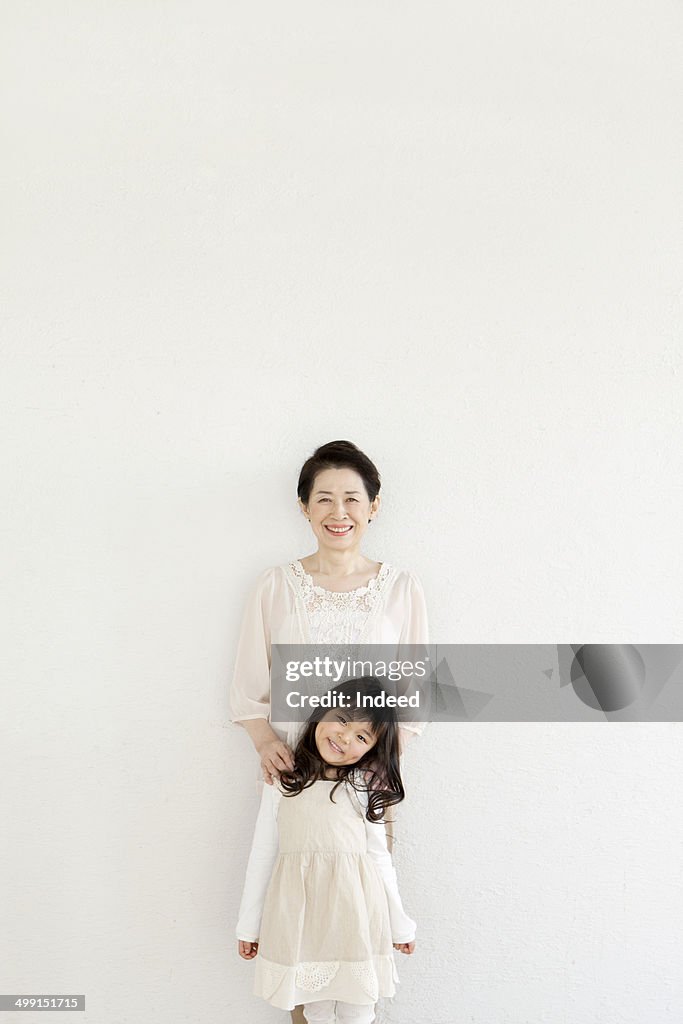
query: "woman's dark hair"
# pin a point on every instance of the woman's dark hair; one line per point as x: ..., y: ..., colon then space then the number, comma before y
x: 338, y: 455
x: 379, y: 766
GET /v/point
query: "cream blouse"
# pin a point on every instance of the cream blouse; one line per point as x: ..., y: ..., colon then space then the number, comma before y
x: 285, y: 607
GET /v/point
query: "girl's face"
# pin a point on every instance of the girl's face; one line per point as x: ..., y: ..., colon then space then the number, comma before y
x: 341, y: 740
x: 339, y: 508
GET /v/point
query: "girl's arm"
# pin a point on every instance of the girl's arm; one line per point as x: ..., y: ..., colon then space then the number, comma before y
x: 262, y: 857
x: 402, y: 927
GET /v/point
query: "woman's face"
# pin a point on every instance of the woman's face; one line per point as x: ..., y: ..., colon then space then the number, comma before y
x: 342, y: 741
x: 339, y: 508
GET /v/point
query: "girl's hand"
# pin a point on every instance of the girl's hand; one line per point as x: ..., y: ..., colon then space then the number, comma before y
x: 247, y: 950
x: 276, y: 757
x: 405, y: 947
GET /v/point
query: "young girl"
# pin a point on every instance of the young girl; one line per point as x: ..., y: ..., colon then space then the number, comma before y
x: 321, y: 905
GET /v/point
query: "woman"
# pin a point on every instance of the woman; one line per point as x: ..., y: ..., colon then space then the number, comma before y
x: 334, y: 596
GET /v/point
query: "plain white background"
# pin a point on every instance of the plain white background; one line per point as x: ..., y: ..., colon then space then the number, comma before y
x: 232, y: 233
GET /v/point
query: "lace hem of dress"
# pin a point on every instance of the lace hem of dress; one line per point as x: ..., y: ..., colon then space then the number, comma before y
x: 361, y: 979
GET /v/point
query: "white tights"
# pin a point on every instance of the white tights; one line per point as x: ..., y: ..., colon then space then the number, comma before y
x: 323, y: 1012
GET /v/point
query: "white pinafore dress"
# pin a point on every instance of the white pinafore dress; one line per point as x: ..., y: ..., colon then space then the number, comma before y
x: 325, y: 929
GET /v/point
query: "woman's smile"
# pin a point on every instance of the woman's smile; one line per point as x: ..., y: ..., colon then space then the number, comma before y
x: 339, y: 531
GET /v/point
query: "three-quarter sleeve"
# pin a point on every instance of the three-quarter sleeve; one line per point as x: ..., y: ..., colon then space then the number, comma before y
x: 415, y: 630
x: 402, y: 927
x: 250, y: 690
x: 264, y: 849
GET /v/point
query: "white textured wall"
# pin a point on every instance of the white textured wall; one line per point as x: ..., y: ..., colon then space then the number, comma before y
x: 231, y: 233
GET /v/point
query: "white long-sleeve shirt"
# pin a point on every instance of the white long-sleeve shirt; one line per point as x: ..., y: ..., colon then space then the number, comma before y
x: 264, y: 850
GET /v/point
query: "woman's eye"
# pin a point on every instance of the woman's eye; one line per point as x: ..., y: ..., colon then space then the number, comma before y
x: 353, y: 499
x: 341, y: 719
x: 362, y: 738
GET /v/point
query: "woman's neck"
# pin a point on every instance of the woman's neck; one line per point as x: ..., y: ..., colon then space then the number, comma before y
x: 337, y: 564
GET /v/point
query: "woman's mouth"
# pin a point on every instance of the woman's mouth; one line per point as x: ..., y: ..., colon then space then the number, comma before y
x: 334, y: 746
x: 339, y: 531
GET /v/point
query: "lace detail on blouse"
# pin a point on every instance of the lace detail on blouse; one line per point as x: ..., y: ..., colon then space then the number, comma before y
x: 338, y: 618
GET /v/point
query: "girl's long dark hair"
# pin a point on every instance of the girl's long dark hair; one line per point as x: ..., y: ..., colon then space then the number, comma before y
x: 379, y: 767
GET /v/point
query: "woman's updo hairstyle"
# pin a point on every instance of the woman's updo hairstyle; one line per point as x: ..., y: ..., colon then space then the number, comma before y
x: 338, y: 455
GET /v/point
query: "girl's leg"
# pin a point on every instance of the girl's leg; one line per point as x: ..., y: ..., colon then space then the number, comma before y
x: 298, y: 1015
x: 320, y: 1013
x: 352, y: 1013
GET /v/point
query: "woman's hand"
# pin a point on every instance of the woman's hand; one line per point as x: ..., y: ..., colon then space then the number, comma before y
x: 405, y: 947
x: 276, y: 757
x: 247, y: 950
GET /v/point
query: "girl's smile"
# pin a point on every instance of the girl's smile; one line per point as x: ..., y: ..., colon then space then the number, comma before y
x: 341, y: 740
